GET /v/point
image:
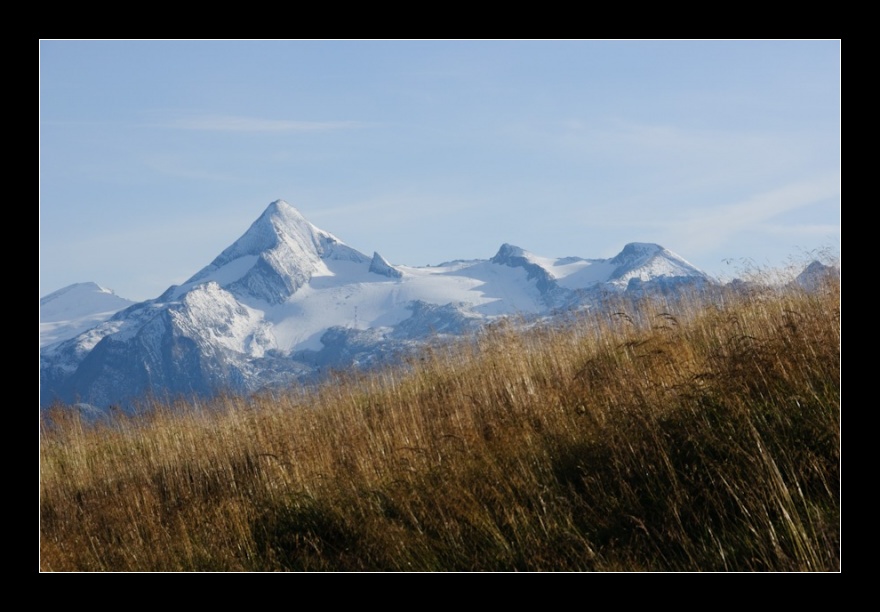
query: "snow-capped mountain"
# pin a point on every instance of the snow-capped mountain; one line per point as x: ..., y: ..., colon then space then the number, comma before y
x: 278, y: 254
x: 815, y: 274
x: 288, y: 298
x: 72, y: 310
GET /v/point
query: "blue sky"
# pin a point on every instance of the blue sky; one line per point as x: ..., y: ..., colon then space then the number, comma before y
x: 156, y: 155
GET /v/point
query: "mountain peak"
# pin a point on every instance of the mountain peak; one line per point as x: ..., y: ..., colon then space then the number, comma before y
x: 284, y: 215
x: 515, y: 257
x: 74, y: 309
x: 278, y: 206
x: 280, y: 219
x: 637, y: 250
x: 81, y: 288
x: 278, y: 253
x: 646, y: 260
x: 814, y: 275
x: 506, y: 253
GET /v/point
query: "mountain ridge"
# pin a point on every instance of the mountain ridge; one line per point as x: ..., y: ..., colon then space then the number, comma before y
x: 287, y: 298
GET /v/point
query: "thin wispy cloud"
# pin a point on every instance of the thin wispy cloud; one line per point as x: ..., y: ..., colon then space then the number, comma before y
x: 180, y: 166
x: 822, y: 229
x: 672, y: 145
x: 235, y: 123
x: 704, y: 229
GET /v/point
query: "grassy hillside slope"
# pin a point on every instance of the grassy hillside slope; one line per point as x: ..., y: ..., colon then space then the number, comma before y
x: 688, y: 436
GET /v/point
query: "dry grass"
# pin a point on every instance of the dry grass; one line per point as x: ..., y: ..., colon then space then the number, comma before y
x: 685, y: 436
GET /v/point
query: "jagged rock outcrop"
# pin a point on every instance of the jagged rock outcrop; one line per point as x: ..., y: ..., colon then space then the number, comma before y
x: 379, y: 266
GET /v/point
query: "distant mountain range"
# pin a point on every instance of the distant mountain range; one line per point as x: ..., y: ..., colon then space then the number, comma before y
x: 287, y: 300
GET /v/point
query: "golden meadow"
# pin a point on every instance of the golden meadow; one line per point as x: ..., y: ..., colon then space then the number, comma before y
x: 701, y: 434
